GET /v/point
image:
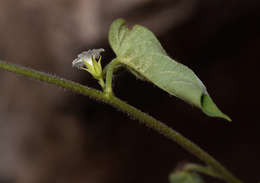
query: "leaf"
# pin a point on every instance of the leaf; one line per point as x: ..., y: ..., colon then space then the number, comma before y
x: 141, y: 52
x: 207, y: 170
x: 185, y: 177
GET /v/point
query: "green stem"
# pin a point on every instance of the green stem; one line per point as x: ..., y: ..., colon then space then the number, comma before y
x: 109, y: 76
x: 137, y: 114
x: 165, y: 130
x: 101, y: 83
x: 70, y: 85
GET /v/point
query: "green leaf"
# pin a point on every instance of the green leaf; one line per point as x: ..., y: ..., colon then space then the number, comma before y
x: 141, y: 52
x: 185, y: 177
x: 207, y: 170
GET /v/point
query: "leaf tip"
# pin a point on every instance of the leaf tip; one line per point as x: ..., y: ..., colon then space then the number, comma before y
x: 211, y: 109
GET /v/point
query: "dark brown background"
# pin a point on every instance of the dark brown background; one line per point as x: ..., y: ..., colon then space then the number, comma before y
x: 48, y: 135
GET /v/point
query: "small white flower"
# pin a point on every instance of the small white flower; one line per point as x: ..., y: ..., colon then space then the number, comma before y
x: 87, y: 56
x: 87, y: 61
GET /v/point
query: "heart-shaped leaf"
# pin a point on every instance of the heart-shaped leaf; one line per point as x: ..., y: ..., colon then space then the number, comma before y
x: 141, y: 52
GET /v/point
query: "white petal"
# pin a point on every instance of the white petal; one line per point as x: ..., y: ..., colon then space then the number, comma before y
x: 87, y: 56
x: 78, y: 63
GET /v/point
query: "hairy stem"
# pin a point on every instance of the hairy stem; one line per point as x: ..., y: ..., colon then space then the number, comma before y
x: 165, y: 130
x: 144, y: 118
x: 109, y: 76
x: 48, y: 78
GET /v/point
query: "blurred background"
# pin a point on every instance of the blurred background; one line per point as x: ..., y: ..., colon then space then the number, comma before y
x: 51, y: 135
